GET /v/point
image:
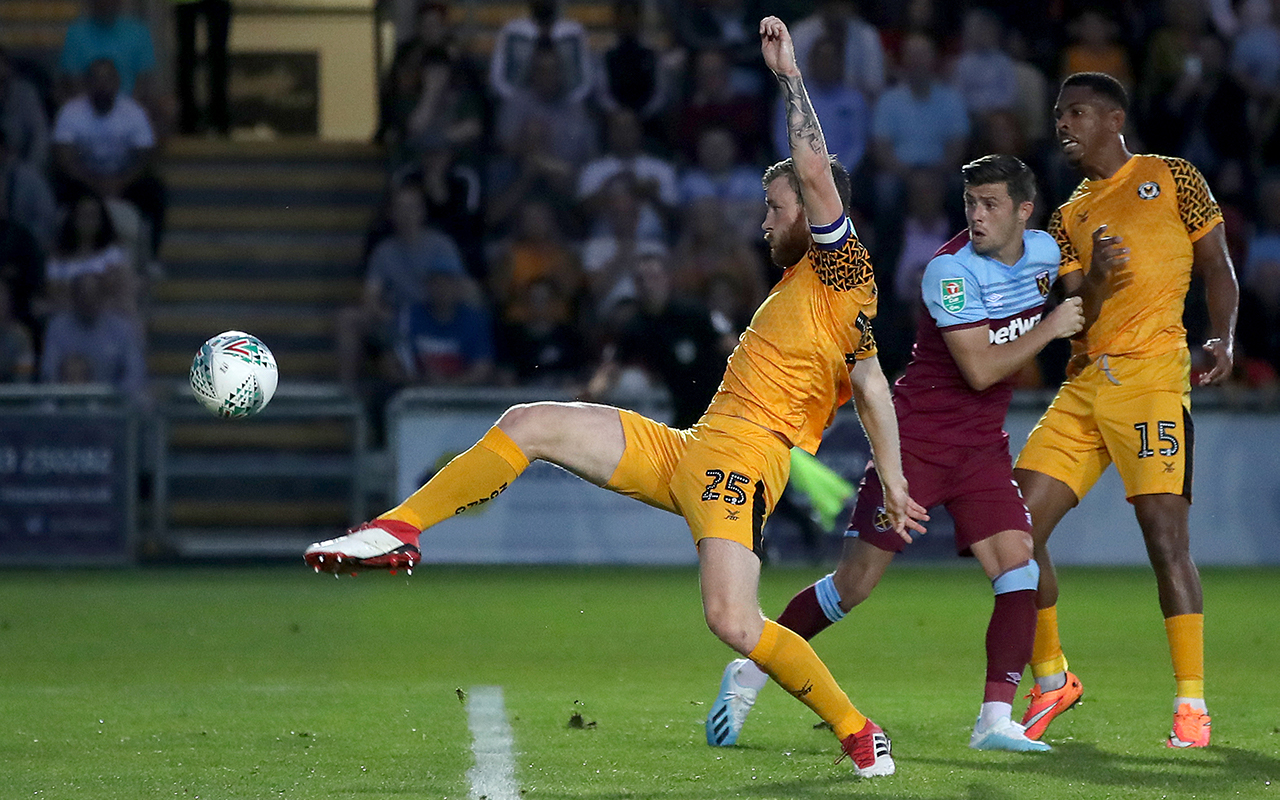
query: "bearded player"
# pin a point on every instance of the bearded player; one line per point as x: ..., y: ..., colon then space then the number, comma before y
x: 1131, y: 235
x: 808, y: 349
x: 985, y: 296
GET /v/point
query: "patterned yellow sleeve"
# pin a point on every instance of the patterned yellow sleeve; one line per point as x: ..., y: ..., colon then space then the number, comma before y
x: 867, y: 344
x: 1196, y: 205
x: 1070, y: 258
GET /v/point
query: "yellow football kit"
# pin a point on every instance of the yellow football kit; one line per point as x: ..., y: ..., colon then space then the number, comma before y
x: 1131, y: 403
x: 789, y: 374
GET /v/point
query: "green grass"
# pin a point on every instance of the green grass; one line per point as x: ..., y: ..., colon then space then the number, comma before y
x: 260, y: 683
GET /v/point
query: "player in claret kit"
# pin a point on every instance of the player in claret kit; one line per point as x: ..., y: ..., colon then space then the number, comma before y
x: 1130, y: 234
x: 985, y: 295
x: 808, y: 349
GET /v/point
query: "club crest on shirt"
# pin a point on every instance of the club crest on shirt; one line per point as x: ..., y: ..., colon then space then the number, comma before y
x: 953, y: 299
x: 882, y: 521
x: 1149, y: 190
x: 1043, y: 282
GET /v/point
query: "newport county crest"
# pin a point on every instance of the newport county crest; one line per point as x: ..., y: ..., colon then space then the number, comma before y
x: 1043, y: 283
x: 953, y: 295
x: 1149, y: 190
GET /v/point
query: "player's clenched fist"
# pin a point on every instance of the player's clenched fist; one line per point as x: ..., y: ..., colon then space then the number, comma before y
x: 775, y: 44
x: 1067, y: 319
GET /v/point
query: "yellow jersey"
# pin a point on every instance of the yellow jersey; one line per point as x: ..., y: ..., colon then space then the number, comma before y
x: 790, y: 370
x: 1160, y: 206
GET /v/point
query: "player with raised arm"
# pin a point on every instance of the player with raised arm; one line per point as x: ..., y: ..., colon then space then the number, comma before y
x: 1131, y: 235
x: 808, y: 349
x: 985, y: 296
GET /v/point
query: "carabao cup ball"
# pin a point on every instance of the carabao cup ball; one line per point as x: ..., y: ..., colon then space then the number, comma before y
x: 234, y: 374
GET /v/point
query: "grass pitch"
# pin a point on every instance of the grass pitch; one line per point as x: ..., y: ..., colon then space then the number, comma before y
x: 263, y: 683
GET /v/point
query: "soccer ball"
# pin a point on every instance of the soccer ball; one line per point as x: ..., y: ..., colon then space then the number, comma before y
x: 234, y: 374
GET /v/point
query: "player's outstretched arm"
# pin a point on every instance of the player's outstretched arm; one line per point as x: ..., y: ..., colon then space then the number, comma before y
x: 874, y: 402
x: 1222, y: 296
x: 808, y: 147
x: 985, y: 364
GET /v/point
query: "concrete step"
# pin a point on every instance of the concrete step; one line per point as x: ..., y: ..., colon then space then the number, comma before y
x: 171, y: 321
x: 334, y: 291
x: 283, y: 513
x: 350, y: 218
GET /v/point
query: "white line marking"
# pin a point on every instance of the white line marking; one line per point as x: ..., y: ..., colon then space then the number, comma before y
x: 493, y: 743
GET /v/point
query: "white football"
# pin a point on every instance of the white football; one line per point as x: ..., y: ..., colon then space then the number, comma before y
x: 234, y: 374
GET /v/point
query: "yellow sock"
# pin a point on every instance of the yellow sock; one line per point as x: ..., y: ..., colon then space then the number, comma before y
x: 790, y: 661
x: 476, y: 476
x: 1046, y: 654
x: 1186, y: 645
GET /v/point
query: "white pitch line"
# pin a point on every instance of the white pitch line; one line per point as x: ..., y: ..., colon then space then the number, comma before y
x: 493, y: 743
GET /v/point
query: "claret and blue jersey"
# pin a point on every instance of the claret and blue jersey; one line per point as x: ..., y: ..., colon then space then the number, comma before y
x: 962, y: 289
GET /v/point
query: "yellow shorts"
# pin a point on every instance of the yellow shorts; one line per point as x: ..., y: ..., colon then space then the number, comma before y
x: 724, y: 475
x: 1133, y: 411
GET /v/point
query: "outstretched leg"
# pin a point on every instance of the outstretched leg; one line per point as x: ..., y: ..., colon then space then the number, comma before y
x: 583, y: 438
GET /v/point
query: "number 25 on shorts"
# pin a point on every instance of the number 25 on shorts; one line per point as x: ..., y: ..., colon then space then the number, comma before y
x: 731, y: 492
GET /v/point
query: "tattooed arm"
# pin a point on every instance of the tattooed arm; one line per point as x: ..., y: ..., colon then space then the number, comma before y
x: 808, y: 149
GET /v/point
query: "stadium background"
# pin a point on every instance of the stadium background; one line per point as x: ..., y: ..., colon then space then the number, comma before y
x: 271, y: 226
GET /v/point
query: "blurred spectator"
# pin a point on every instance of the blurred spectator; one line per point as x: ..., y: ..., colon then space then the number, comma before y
x: 105, y: 32
x: 730, y: 27
x: 710, y: 257
x: 534, y: 252
x: 395, y: 278
x: 1255, y: 59
x: 1204, y: 117
x: 920, y: 122
x: 1033, y: 92
x: 984, y: 73
x: 542, y: 349
x: 109, y: 341
x: 25, y: 195
x: 22, y: 116
x: 718, y: 174
x: 863, y: 57
x: 632, y: 73
x: 88, y: 244
x: 104, y: 143
x: 17, y: 351
x: 22, y: 269
x: 940, y: 21
x: 672, y: 338
x: 925, y: 229
x: 545, y: 136
x: 654, y: 178
x: 843, y: 110
x: 608, y: 257
x: 512, y: 69
x: 433, y: 95
x: 217, y: 23
x: 1096, y: 47
x: 453, y: 195
x: 1172, y: 51
x: 713, y: 101
x: 442, y: 338
x: 1261, y: 273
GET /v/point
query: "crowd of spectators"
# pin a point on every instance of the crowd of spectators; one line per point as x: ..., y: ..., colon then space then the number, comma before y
x: 81, y: 206
x: 553, y: 190
x: 620, y: 173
